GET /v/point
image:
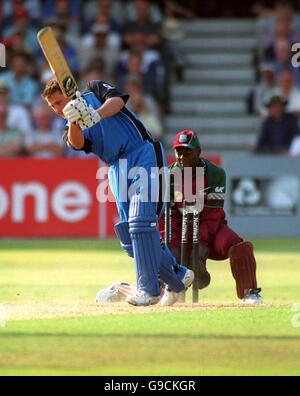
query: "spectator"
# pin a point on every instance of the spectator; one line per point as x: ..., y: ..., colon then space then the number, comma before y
x: 44, y: 142
x: 18, y: 116
x: 278, y: 130
x: 262, y: 10
x: 66, y: 12
x: 112, y: 10
x: 295, y: 147
x: 18, y: 44
x: 22, y: 26
x: 173, y: 34
x: 18, y: 40
x: 22, y: 88
x: 11, y: 140
x: 143, y: 25
x: 26, y: 66
x: 265, y: 15
x: 154, y: 13
x: 11, y: 10
x: 143, y: 106
x: 263, y: 90
x: 282, y: 32
x: 146, y: 66
x: 115, y: 31
x: 289, y: 91
x: 284, y: 9
x: 95, y: 71
x: 99, y: 44
x: 283, y: 60
x: 268, y: 14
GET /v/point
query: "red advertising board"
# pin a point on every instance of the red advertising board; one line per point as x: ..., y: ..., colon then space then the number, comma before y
x: 48, y: 198
x: 55, y: 198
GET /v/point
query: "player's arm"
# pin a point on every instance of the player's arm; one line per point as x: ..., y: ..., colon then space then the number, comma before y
x: 75, y: 137
x: 110, y: 107
x: 111, y: 98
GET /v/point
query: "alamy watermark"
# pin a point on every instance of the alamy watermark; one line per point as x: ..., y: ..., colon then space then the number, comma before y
x: 296, y: 317
x: 2, y: 55
x: 3, y: 315
x: 152, y: 185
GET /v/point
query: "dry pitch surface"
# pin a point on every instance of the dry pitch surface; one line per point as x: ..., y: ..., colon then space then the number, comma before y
x: 46, y: 310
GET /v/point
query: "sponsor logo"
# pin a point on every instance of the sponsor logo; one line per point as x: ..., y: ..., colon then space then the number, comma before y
x: 267, y: 196
x: 70, y: 202
x: 219, y: 189
x: 69, y: 85
x: 182, y: 139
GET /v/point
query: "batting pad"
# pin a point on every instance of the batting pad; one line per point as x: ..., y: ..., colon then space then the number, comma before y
x: 243, y: 267
x: 122, y: 232
x: 146, y: 246
x: 167, y: 263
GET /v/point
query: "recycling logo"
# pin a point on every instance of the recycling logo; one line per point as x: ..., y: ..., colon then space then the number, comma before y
x: 246, y: 193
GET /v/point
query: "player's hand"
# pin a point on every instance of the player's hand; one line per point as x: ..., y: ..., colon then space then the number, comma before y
x: 76, y: 109
x: 90, y: 119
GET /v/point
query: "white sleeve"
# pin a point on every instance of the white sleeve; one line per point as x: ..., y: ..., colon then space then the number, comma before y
x: 19, y: 118
x: 295, y: 146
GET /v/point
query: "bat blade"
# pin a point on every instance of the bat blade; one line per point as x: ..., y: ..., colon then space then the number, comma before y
x: 57, y: 61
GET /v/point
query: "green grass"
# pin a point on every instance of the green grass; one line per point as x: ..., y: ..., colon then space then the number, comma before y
x: 233, y: 341
x: 223, y: 341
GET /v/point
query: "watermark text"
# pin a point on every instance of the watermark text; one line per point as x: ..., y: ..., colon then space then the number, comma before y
x: 152, y: 185
x: 2, y: 55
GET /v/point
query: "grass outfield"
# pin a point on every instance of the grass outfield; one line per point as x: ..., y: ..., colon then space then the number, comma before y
x: 53, y: 327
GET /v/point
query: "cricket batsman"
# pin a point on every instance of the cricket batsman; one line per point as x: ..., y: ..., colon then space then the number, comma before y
x: 98, y: 121
x: 217, y: 240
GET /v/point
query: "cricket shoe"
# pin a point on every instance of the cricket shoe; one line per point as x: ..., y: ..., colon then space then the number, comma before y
x: 253, y: 297
x: 170, y: 297
x: 142, y: 299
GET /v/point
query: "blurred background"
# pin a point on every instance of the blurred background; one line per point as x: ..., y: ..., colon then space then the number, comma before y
x: 222, y: 69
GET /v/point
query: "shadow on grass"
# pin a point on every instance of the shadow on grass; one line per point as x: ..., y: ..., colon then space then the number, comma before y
x: 112, y: 245
x: 73, y: 245
x: 260, y: 245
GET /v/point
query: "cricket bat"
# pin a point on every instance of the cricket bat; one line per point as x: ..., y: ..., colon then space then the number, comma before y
x: 57, y: 62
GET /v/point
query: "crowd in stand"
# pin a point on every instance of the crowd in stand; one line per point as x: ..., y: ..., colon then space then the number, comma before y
x: 134, y: 44
x: 276, y: 97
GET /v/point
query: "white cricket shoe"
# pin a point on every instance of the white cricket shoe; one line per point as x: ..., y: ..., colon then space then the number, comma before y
x: 253, y: 297
x: 170, y: 297
x: 142, y: 299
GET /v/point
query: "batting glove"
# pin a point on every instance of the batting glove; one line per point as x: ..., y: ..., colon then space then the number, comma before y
x: 76, y: 109
x: 90, y: 118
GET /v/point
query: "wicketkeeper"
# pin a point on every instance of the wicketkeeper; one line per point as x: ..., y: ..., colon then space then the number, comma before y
x: 98, y: 121
x: 216, y: 240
